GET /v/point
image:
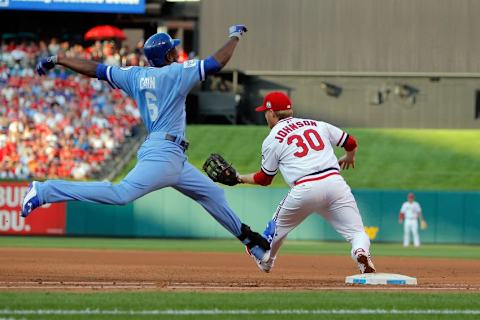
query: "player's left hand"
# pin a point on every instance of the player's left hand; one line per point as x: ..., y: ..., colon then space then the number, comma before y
x: 345, y: 162
x: 219, y: 170
x: 237, y: 30
x: 423, y: 224
x: 46, y: 64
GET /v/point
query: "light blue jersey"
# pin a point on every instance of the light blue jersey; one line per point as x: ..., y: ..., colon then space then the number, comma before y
x: 160, y: 93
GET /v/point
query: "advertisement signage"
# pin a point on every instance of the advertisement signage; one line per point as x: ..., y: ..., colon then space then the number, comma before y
x: 47, y: 220
x: 104, y: 6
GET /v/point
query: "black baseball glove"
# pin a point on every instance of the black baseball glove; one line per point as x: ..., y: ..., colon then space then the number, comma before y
x: 219, y: 170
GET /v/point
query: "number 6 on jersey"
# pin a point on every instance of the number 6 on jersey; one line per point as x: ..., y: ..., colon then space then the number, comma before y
x: 151, y: 101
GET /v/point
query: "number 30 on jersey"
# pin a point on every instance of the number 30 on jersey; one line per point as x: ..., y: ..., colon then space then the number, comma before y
x: 310, y: 139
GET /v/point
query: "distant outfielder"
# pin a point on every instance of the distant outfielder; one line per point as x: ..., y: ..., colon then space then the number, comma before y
x: 410, y: 212
x: 302, y: 149
x: 160, y: 92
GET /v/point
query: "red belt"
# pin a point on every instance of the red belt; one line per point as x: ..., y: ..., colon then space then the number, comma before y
x: 305, y: 179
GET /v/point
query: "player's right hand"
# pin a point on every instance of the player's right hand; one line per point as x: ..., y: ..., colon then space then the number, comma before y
x: 346, y: 161
x: 46, y: 64
x: 237, y: 31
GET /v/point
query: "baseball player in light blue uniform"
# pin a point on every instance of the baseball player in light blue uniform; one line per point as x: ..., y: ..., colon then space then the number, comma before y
x: 160, y: 92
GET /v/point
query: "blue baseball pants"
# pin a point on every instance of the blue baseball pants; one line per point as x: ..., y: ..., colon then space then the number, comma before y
x: 161, y: 164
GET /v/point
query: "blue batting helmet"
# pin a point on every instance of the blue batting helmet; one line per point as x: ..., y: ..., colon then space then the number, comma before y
x: 157, y: 47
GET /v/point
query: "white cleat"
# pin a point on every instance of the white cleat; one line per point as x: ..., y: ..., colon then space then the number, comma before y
x: 364, y: 261
x: 266, y: 264
x: 31, y: 201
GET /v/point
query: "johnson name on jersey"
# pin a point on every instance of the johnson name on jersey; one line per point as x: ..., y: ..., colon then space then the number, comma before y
x: 301, y: 147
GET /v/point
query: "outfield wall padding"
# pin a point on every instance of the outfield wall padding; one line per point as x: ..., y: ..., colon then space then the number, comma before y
x: 453, y: 217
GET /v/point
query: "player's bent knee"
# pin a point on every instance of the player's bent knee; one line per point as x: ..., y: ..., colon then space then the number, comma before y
x: 123, y: 196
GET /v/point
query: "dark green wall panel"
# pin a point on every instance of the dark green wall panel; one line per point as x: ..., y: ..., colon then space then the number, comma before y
x: 453, y: 217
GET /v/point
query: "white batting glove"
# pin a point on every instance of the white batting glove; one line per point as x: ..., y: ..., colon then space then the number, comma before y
x: 237, y: 31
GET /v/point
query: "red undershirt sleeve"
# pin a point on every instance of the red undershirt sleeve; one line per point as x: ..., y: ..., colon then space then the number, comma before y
x: 350, y: 143
x: 262, y: 179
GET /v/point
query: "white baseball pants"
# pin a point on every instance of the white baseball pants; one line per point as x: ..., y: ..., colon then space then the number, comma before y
x: 411, y: 226
x: 332, y: 198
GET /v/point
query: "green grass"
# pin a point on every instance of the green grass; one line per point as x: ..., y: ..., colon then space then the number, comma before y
x: 290, y: 247
x: 422, y: 159
x: 307, y: 301
x: 16, y: 305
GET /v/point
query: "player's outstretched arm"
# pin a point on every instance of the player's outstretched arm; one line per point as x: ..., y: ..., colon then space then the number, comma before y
x: 85, y: 67
x: 224, y: 54
x: 247, y: 178
x: 219, y: 59
x: 259, y: 178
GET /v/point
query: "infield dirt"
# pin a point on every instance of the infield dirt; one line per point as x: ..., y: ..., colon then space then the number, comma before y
x: 82, y: 269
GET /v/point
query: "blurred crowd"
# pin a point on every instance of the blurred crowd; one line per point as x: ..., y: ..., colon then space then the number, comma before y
x: 63, y: 125
x: 26, y: 53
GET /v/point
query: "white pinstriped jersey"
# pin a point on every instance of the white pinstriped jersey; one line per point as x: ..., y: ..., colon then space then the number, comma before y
x: 301, y: 147
x: 411, y: 210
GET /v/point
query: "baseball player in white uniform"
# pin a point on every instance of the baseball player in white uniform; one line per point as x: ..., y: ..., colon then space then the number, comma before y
x: 302, y: 149
x: 409, y: 215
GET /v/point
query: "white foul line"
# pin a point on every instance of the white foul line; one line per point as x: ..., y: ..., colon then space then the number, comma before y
x: 236, y: 312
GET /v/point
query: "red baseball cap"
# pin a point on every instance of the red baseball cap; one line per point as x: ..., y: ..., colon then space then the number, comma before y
x: 275, y: 101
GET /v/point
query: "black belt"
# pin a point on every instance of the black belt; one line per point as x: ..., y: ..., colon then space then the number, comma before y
x: 318, y: 172
x: 183, y: 143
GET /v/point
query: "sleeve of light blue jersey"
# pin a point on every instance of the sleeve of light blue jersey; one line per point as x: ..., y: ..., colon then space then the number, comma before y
x: 119, y: 78
x: 192, y: 72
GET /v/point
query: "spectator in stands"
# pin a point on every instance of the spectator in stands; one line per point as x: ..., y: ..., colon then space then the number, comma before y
x: 66, y: 133
x: 53, y: 46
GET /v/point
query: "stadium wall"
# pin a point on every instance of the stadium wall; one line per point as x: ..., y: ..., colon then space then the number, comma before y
x: 431, y: 36
x: 373, y: 101
x: 453, y: 217
x: 366, y: 48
